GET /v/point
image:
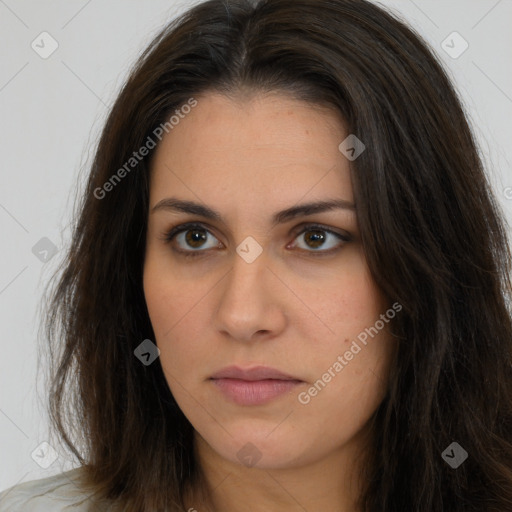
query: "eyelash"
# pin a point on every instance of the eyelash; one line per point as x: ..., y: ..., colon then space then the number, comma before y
x: 169, y: 236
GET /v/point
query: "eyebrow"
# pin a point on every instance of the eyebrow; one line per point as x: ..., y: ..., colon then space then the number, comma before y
x: 173, y: 204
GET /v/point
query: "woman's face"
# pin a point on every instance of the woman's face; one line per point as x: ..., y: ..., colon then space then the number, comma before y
x: 263, y: 282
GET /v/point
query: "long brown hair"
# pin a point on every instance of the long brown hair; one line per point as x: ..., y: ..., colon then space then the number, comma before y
x: 433, y: 236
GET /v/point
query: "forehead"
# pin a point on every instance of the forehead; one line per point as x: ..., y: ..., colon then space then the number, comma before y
x: 256, y: 149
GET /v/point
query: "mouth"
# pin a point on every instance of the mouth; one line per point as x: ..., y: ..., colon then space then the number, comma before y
x: 253, y: 386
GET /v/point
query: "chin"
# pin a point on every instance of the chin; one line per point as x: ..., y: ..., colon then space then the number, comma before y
x: 256, y: 448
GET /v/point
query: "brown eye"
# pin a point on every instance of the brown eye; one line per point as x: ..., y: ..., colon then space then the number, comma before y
x: 195, y: 237
x: 314, y: 238
x: 320, y: 240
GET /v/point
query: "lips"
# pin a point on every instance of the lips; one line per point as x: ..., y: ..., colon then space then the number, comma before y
x: 253, y: 386
x: 252, y: 374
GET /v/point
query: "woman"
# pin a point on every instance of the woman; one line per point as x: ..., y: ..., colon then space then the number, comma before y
x: 288, y: 286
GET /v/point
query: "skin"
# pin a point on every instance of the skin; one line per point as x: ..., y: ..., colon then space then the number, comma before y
x: 293, y: 308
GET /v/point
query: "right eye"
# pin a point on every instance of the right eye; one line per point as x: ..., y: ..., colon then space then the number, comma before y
x: 192, y: 238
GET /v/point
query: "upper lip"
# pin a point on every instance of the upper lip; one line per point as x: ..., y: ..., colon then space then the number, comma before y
x: 252, y: 374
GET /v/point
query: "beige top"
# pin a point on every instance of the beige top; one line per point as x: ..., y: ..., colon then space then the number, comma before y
x: 58, y: 493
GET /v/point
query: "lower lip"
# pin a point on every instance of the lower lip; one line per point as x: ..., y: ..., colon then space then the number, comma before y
x: 257, y: 392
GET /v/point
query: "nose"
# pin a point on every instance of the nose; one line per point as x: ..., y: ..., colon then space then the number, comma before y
x: 251, y: 301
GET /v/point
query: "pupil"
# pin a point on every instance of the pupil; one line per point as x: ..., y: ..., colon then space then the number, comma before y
x: 195, y: 237
x: 315, y: 238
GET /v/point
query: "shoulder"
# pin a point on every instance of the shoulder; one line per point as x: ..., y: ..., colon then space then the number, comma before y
x: 61, y: 492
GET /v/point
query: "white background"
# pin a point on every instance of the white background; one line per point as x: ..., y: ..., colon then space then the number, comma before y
x: 51, y: 113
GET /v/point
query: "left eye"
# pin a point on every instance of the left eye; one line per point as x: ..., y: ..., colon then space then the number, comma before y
x: 319, y: 238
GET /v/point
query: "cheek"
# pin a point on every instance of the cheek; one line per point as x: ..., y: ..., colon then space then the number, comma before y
x: 352, y: 308
x: 169, y: 297
x: 349, y: 374
x: 177, y: 311
x: 351, y: 302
